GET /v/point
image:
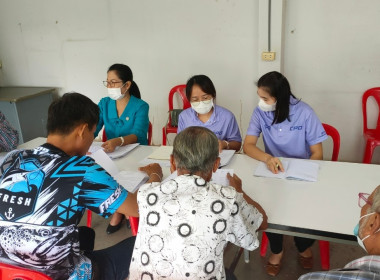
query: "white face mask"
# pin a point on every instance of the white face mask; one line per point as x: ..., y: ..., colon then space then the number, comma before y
x: 115, y: 93
x: 202, y: 107
x: 266, y: 107
x: 356, y: 232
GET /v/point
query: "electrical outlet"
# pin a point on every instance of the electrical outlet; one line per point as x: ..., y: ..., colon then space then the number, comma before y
x: 268, y: 56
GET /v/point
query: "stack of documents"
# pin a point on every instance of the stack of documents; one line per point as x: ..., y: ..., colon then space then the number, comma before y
x: 119, y: 151
x: 219, y: 177
x: 295, y: 169
x: 162, y: 156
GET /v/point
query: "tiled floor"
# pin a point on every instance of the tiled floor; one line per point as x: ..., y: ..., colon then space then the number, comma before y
x: 340, y: 254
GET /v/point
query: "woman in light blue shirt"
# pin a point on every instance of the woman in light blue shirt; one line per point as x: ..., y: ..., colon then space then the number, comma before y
x: 124, y: 117
x: 201, y: 93
x: 290, y: 128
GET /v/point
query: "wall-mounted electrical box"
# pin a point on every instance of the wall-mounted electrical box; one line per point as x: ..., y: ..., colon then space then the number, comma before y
x: 268, y: 56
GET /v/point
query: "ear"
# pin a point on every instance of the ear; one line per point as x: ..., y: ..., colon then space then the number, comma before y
x: 173, y: 167
x: 81, y: 130
x: 128, y: 85
x: 216, y: 165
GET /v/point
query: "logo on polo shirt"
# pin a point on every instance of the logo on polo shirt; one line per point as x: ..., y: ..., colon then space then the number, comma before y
x: 267, y: 126
x: 218, y: 132
x: 296, y: 127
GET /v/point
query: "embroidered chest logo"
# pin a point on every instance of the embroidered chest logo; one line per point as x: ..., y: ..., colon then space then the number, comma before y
x: 19, y: 189
x: 296, y: 127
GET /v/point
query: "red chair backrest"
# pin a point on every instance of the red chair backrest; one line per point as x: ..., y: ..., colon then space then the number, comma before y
x: 10, y: 272
x: 150, y: 132
x: 375, y: 93
x: 333, y: 132
x: 104, y: 137
x: 181, y: 90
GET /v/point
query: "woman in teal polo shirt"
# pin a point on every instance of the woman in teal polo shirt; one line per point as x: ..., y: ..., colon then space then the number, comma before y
x: 124, y: 117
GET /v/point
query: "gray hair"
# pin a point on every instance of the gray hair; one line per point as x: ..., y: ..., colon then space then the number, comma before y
x: 195, y: 149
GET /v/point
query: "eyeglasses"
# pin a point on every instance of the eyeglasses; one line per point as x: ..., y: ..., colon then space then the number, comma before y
x: 205, y: 99
x: 111, y: 83
x: 363, y: 199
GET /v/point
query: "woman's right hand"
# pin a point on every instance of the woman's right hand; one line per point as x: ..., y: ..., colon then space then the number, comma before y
x: 274, y: 164
x: 110, y: 145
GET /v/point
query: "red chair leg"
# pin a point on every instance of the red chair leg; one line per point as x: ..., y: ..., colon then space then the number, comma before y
x: 163, y: 136
x: 134, y: 221
x: 368, y: 152
x: 264, y: 245
x: 324, y: 249
x: 89, y: 218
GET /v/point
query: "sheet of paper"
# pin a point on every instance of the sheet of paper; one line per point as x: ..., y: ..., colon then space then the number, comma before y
x: 161, y: 162
x: 304, y: 170
x: 295, y: 169
x: 95, y: 146
x: 122, y: 151
x: 219, y: 177
x: 131, y: 180
x: 162, y: 153
x: 263, y: 171
x: 226, y: 156
x: 105, y: 161
x: 119, y: 151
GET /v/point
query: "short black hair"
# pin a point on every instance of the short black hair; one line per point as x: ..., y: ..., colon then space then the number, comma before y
x: 203, y: 82
x: 69, y: 111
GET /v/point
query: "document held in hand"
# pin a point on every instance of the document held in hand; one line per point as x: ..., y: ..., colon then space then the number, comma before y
x: 119, y: 151
x: 130, y: 180
x: 295, y: 169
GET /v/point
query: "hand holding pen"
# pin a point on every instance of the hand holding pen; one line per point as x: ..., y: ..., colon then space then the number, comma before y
x: 274, y: 164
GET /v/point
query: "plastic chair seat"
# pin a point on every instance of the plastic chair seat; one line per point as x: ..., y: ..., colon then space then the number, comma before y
x: 11, y: 272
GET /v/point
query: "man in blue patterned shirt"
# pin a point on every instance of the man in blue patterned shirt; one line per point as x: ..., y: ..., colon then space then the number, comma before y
x: 45, y: 191
x: 368, y: 235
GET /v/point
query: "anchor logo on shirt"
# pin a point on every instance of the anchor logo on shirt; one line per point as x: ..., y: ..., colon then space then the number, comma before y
x: 9, y: 215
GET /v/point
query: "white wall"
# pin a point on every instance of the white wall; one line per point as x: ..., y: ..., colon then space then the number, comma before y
x: 331, y: 56
x: 329, y: 50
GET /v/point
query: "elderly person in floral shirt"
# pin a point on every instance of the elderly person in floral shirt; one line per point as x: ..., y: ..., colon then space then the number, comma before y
x: 186, y: 222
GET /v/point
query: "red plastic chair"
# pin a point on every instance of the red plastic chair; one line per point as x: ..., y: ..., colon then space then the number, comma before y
x: 134, y: 221
x: 168, y: 128
x: 324, y: 246
x: 10, y: 272
x: 371, y: 136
